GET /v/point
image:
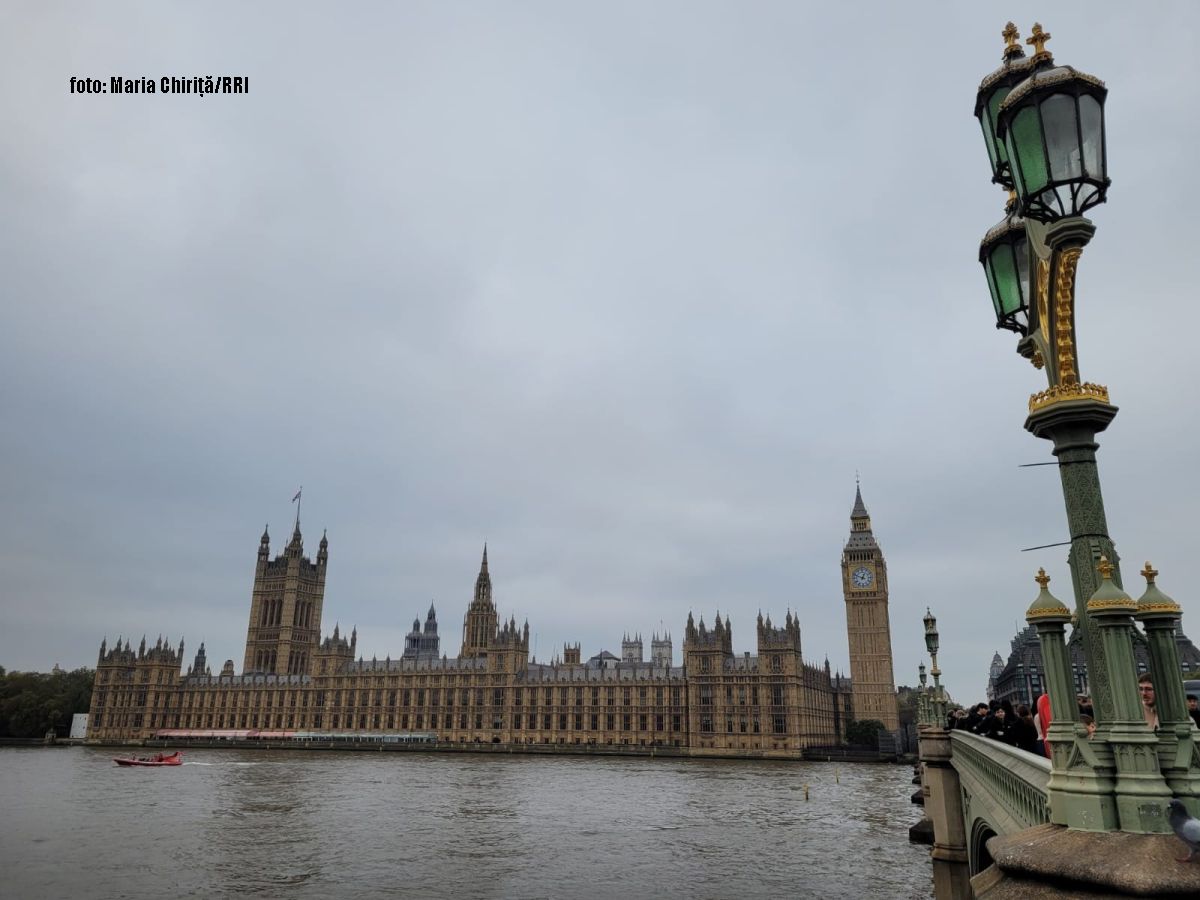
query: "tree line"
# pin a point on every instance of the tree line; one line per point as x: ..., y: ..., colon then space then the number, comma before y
x: 33, y: 703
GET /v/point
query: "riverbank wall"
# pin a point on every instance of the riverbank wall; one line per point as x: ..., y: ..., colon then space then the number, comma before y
x: 619, y: 750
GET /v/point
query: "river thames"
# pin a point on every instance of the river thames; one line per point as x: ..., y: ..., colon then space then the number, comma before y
x: 344, y: 824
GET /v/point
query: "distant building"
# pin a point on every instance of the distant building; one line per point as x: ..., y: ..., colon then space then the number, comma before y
x: 1022, y: 679
x: 994, y: 671
x: 423, y: 644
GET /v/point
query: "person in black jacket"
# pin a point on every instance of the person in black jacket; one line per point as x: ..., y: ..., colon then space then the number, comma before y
x: 978, y: 713
x: 997, y: 727
x: 1024, y: 734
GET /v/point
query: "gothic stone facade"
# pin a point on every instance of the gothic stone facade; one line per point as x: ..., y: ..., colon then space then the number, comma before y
x: 716, y: 703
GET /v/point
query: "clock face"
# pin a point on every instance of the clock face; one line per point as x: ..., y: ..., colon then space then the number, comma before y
x: 862, y: 577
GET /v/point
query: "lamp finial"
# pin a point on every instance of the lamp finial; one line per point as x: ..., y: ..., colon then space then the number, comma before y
x: 1011, y: 37
x: 1042, y: 578
x: 1105, y: 568
x: 1038, y: 41
x: 1149, y: 573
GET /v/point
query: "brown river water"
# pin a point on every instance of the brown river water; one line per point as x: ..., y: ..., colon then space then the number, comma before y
x: 296, y: 824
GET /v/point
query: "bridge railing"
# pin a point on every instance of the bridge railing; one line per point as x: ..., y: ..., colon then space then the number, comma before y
x: 1011, y: 782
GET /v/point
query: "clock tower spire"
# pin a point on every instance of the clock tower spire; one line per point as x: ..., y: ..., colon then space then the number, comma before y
x: 865, y: 589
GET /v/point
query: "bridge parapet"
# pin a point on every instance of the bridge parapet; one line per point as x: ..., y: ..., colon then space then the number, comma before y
x: 1007, y: 786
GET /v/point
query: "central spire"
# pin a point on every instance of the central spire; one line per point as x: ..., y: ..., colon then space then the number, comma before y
x: 860, y: 508
x: 860, y: 522
x: 483, y: 584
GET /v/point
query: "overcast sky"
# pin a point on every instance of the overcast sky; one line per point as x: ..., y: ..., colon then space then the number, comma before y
x: 630, y: 291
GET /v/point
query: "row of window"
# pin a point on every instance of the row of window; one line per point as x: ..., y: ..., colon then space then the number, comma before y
x: 546, y: 722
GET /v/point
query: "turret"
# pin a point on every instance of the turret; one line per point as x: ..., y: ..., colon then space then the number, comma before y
x: 296, y: 546
x: 631, y: 649
x: 200, y: 663
x: 661, y: 650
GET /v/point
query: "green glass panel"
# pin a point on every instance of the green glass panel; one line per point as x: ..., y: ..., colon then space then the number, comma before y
x: 1091, y: 124
x: 1021, y: 252
x: 1007, y: 286
x: 1025, y: 143
x: 989, y: 139
x: 993, y: 116
x: 991, y: 279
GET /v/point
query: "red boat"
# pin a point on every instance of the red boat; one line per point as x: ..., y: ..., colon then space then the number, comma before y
x: 175, y: 759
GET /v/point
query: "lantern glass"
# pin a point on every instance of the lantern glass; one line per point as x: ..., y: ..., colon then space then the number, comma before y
x: 997, y: 153
x: 1091, y: 126
x: 1063, y: 148
x: 1026, y: 145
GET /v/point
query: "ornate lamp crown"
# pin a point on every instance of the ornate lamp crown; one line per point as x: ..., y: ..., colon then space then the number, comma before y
x: 1046, y: 607
x: 1154, y: 604
x: 1109, y: 599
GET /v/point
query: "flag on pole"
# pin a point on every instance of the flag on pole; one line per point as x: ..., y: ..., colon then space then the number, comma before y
x: 297, y: 497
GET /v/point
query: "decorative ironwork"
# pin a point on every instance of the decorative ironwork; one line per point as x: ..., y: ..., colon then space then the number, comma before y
x: 1064, y: 299
x: 1062, y: 393
x: 1016, y: 778
x: 1043, y: 297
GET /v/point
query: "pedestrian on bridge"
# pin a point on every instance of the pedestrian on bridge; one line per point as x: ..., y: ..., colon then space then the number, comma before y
x: 1023, y: 733
x: 1146, y: 688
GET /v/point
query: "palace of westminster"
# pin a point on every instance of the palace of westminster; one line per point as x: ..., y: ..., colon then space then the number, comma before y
x: 773, y: 703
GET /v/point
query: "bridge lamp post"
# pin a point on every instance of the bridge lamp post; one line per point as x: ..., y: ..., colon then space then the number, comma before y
x: 922, y: 696
x: 1044, y: 132
x: 931, y: 644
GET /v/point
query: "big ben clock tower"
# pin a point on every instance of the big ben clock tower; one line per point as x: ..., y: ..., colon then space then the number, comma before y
x: 865, y: 587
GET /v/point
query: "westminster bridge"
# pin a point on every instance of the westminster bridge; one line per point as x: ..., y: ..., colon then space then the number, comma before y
x: 1092, y: 820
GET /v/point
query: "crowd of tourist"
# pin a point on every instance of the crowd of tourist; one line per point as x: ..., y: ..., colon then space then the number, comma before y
x: 1027, y: 729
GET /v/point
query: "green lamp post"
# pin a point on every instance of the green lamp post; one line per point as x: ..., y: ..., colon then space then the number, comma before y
x: 931, y: 644
x: 922, y: 697
x: 1044, y: 131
